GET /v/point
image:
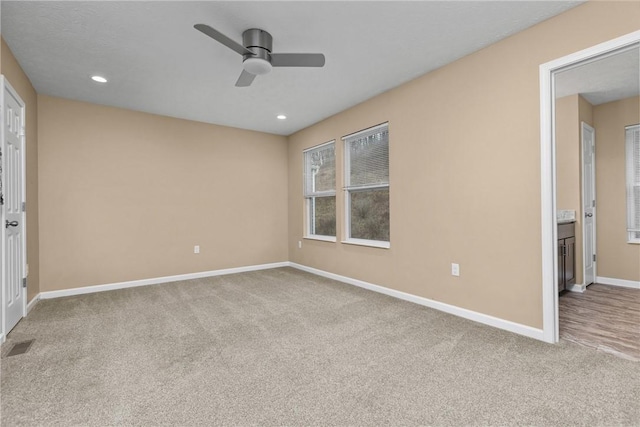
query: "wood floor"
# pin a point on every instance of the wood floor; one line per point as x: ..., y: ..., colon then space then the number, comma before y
x: 603, y: 317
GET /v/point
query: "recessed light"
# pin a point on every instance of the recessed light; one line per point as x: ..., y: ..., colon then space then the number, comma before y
x: 98, y: 79
x: 281, y: 117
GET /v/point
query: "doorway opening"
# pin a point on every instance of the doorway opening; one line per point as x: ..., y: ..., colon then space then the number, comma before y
x: 561, y: 79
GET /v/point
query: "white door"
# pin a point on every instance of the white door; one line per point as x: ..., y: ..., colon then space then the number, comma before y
x: 589, y: 203
x: 14, y: 195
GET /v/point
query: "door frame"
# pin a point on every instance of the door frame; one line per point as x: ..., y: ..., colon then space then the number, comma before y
x: 584, y: 125
x: 5, y: 85
x: 550, y: 329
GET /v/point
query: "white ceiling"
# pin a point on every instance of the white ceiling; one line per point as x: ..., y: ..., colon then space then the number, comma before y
x: 608, y: 79
x: 156, y: 62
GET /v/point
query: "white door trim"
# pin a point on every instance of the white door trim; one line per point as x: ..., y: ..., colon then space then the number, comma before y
x: 585, y: 256
x: 548, y: 172
x: 4, y: 84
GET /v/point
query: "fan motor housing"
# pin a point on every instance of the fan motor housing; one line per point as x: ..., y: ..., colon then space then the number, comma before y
x: 258, y: 41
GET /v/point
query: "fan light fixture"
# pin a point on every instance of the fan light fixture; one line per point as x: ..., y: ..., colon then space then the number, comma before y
x: 98, y: 79
x: 257, y: 66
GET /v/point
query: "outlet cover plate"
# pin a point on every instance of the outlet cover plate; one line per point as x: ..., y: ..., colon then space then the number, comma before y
x: 455, y: 269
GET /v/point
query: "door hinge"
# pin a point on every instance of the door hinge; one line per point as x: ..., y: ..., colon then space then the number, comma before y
x: 594, y: 257
x: 593, y: 204
x: 24, y: 206
x: 24, y: 282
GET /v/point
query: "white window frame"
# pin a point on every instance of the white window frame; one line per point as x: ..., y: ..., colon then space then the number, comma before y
x: 348, y: 189
x: 308, y: 197
x: 631, y: 173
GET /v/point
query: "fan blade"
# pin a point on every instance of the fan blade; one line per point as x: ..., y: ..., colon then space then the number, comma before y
x: 297, y: 60
x: 245, y: 79
x: 219, y: 37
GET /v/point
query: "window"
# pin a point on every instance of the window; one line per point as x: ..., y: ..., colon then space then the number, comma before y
x: 633, y: 183
x: 367, y: 186
x: 320, y: 191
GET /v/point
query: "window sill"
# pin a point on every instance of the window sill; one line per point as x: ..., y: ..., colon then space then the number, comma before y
x: 321, y: 238
x: 370, y: 243
x: 633, y: 242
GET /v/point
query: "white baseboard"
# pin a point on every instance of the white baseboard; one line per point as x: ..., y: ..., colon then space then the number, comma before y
x: 618, y: 282
x: 33, y: 303
x: 157, y: 280
x: 2, y: 339
x: 577, y: 288
x: 496, y: 322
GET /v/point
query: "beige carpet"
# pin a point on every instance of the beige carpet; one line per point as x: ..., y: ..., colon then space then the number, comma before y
x: 283, y: 347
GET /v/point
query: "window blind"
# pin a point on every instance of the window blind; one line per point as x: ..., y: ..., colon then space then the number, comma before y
x: 320, y: 170
x: 633, y: 181
x: 368, y: 153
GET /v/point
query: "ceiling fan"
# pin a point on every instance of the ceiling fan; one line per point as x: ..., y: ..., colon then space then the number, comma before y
x: 256, y: 52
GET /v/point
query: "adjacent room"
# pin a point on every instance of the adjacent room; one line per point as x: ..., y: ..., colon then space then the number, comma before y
x: 597, y: 117
x: 319, y: 213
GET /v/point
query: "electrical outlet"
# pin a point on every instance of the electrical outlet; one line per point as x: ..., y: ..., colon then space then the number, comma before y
x: 299, y: 244
x: 196, y: 249
x: 455, y: 269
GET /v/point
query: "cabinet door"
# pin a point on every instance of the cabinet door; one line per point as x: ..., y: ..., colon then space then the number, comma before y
x: 561, y: 263
x: 570, y: 261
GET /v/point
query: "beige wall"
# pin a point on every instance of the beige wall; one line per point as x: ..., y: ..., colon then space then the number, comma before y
x: 571, y: 111
x: 20, y: 82
x: 616, y: 258
x: 126, y: 195
x: 465, y: 172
